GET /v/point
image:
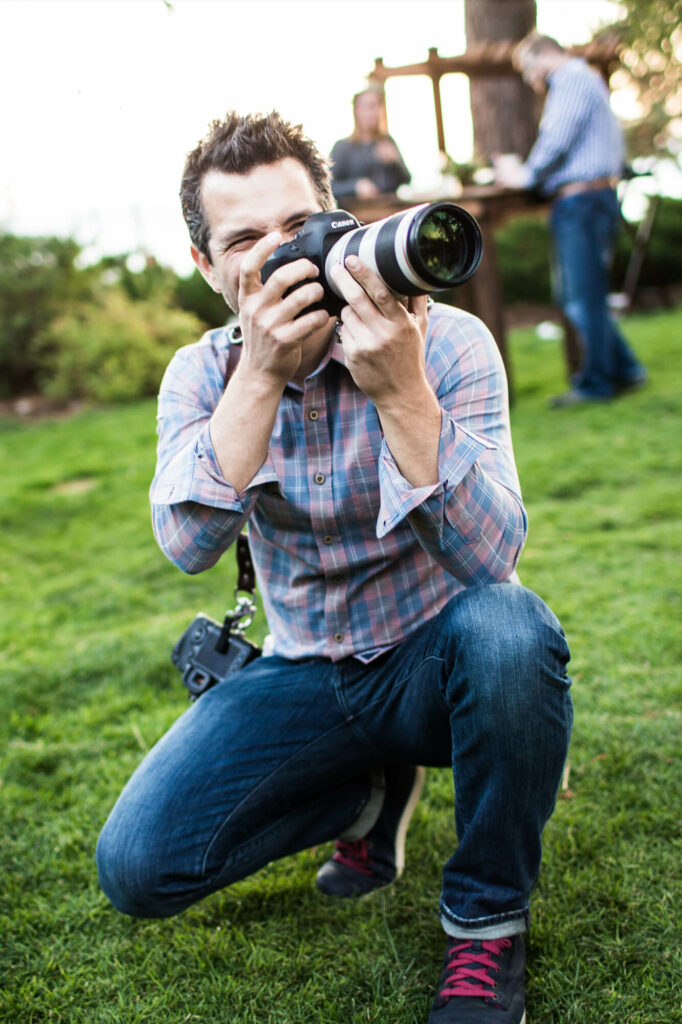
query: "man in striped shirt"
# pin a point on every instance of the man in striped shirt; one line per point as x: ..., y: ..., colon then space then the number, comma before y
x: 372, y: 460
x: 577, y: 160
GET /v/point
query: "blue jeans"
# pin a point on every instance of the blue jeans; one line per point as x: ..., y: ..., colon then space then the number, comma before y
x: 584, y: 229
x: 279, y: 759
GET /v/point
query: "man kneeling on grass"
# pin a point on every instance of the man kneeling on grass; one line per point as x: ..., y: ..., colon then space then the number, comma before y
x: 371, y: 457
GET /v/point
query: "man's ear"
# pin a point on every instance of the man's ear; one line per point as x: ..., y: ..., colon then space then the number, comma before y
x: 205, y: 268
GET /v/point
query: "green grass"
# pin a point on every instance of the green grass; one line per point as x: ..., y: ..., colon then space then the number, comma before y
x: 91, y: 609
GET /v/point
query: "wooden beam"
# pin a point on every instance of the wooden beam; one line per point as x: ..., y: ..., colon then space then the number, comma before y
x: 489, y: 60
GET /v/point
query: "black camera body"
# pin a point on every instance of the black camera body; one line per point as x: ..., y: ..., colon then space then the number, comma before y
x: 208, y: 653
x: 313, y: 242
x: 424, y: 249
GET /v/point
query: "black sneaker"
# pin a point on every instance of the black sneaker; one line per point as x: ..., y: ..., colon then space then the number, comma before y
x: 363, y: 865
x: 483, y: 980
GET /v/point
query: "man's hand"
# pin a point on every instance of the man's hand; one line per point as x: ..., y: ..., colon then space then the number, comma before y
x: 509, y: 171
x: 273, y: 353
x: 383, y: 342
x: 273, y: 338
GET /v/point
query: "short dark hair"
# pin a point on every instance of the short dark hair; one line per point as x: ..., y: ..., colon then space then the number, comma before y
x: 235, y: 145
x: 534, y: 44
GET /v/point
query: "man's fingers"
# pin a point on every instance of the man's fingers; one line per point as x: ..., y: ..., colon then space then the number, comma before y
x: 361, y: 283
x: 288, y: 276
x: 300, y: 298
x: 296, y: 331
x: 249, y: 272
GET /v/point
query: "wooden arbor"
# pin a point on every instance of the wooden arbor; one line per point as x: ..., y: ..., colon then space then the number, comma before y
x: 488, y: 61
x: 489, y: 204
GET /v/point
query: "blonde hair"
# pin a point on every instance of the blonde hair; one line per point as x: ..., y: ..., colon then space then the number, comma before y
x: 382, y: 128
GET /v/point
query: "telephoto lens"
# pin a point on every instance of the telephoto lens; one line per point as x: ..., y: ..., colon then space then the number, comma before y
x: 427, y: 248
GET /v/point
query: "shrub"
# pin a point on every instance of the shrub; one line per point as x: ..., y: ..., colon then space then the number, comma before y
x: 114, y: 349
x: 38, y: 279
x: 523, y: 250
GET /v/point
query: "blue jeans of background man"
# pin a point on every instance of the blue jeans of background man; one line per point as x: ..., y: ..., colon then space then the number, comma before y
x: 584, y: 229
x: 279, y: 759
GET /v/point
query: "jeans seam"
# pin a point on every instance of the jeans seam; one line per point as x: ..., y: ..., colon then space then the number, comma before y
x: 238, y: 852
x: 264, y: 781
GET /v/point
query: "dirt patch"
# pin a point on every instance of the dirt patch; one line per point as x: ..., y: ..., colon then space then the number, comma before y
x: 79, y: 485
x: 31, y: 408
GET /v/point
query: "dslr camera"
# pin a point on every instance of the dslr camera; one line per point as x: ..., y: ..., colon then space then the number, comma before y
x: 427, y: 248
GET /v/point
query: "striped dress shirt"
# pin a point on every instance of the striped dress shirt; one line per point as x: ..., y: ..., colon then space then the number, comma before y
x: 349, y: 557
x: 579, y: 138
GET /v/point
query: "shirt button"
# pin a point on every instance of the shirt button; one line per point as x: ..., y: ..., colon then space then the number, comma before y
x: 338, y: 637
x: 319, y: 478
x: 313, y: 414
x: 328, y: 539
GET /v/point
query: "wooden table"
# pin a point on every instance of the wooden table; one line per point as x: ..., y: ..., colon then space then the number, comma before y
x: 491, y: 206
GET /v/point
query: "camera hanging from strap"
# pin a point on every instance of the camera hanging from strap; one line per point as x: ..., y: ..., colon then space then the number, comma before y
x: 208, y: 653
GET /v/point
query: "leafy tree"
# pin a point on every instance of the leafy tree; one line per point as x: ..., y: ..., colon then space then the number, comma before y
x: 194, y: 295
x: 152, y: 281
x: 651, y: 69
x: 38, y: 278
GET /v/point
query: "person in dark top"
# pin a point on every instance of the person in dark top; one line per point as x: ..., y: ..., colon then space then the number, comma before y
x: 367, y: 163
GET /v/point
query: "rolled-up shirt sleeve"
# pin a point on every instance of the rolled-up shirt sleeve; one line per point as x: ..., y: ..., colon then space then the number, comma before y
x: 196, y: 512
x: 472, y: 521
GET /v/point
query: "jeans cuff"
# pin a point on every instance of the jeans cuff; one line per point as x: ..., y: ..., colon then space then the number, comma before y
x: 496, y: 926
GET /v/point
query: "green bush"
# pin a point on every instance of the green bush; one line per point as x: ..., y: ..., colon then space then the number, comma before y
x: 523, y: 250
x: 114, y: 349
x: 38, y: 279
x: 662, y: 264
x: 193, y: 294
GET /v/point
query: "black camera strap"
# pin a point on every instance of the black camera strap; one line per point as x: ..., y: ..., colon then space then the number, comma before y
x: 246, y: 577
x: 236, y: 621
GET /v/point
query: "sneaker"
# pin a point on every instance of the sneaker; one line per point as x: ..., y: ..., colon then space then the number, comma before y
x: 628, y: 384
x: 483, y: 980
x: 575, y: 397
x: 363, y: 865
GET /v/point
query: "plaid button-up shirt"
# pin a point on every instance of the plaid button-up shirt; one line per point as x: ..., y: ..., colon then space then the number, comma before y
x: 349, y: 557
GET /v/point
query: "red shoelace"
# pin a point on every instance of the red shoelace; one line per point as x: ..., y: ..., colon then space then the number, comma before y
x: 468, y: 969
x: 354, y: 855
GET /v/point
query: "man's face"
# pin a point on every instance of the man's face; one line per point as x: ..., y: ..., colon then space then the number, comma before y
x: 241, y: 208
x: 534, y: 72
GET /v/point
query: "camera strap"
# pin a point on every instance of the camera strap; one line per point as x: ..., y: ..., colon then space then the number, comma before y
x: 246, y: 577
x: 237, y: 621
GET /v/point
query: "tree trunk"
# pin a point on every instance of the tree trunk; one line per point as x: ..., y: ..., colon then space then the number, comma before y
x: 504, y: 110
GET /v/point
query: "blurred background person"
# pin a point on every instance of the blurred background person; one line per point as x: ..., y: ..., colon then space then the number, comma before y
x: 368, y: 162
x: 576, y: 161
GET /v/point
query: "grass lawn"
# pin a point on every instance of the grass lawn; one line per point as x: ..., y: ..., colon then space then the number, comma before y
x: 91, y: 609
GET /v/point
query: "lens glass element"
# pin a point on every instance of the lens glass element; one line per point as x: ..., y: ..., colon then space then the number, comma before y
x: 442, y: 245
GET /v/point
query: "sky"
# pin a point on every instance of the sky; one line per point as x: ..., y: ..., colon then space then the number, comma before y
x: 102, y: 99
